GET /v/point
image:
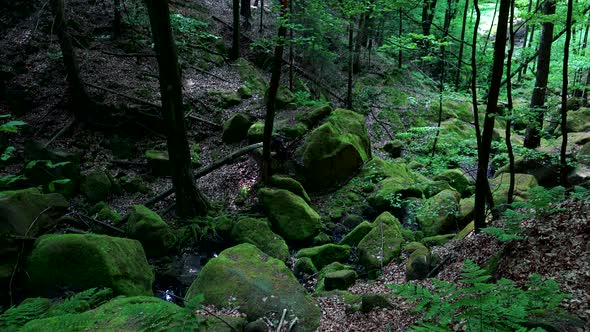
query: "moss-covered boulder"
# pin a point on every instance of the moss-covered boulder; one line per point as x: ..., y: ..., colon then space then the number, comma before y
x: 287, y: 183
x: 437, y: 240
x: 329, y: 269
x: 236, y: 128
x: 394, y: 182
x: 381, y: 245
x: 106, y: 213
x: 335, y: 150
x: 420, y: 262
x: 28, y: 212
x: 326, y: 254
x: 258, y: 233
x: 439, y: 213
x: 466, y: 210
x: 284, y: 97
x: 304, y: 265
x: 159, y: 162
x: 432, y: 188
x: 244, y: 92
x: 82, y: 261
x: 290, y: 216
x: 456, y: 179
x: 229, y: 99
x: 357, y: 234
x: 394, y: 148
x: 315, y: 115
x: 291, y: 130
x: 147, y: 227
x: 578, y: 121
x: 340, y: 279
x: 522, y: 184
x: 372, y: 301
x: 258, y: 284
x: 544, y: 167
x: 96, y: 186
x: 255, y: 133
x: 138, y: 313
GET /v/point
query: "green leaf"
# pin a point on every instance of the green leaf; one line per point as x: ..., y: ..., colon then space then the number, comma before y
x: 12, y: 126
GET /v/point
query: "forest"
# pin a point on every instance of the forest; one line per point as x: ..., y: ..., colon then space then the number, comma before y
x: 295, y: 165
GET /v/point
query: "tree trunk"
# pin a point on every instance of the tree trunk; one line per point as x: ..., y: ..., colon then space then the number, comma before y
x: 399, y: 35
x: 350, y: 56
x: 483, y: 153
x: 532, y: 137
x: 261, y: 15
x: 566, y: 47
x: 78, y: 95
x: 428, y: 8
x: 362, y: 31
x: 246, y: 12
x: 235, y: 41
x: 461, y: 45
x: 116, y: 19
x: 526, y: 37
x: 272, y: 96
x: 510, y: 107
x: 189, y: 200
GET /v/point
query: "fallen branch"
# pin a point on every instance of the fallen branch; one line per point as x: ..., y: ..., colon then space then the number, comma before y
x: 61, y: 131
x: 141, y: 101
x: 437, y: 268
x: 129, y: 55
x: 198, y: 118
x: 282, y: 320
x: 107, y: 225
x: 208, y: 73
x: 382, y: 125
x: 204, y: 171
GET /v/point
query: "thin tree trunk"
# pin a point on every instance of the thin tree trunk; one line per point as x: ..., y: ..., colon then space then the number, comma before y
x: 532, y: 137
x: 510, y: 108
x: 485, y: 46
x: 246, y: 12
x: 461, y: 45
x: 481, y: 182
x: 116, y: 19
x: 428, y: 9
x: 399, y: 35
x: 291, y: 57
x: 235, y: 45
x: 272, y: 96
x: 261, y: 15
x: 78, y: 95
x: 566, y: 47
x: 350, y: 56
x: 189, y: 200
x: 356, y: 66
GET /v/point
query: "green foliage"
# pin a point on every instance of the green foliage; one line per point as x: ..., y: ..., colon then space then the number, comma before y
x: 479, y: 305
x: 16, y: 317
x: 195, y: 302
x: 83, y: 301
x: 303, y: 99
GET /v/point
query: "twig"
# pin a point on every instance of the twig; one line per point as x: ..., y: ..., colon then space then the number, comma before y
x: 208, y: 73
x: 382, y: 125
x: 282, y: 320
x: 212, y: 124
x: 61, y: 131
x: 129, y: 163
x: 101, y: 223
x: 293, y: 322
x: 134, y: 55
x: 437, y: 268
x: 141, y: 101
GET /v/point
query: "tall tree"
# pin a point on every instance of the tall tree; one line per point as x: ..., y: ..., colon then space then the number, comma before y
x: 272, y: 94
x: 509, y: 108
x: 532, y: 137
x: 566, y: 47
x: 461, y: 44
x: 428, y: 9
x: 246, y: 11
x: 189, y: 200
x: 234, y: 53
x: 483, y: 153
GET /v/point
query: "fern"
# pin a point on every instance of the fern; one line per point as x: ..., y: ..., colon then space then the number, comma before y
x: 82, y: 301
x: 479, y: 306
x: 28, y: 310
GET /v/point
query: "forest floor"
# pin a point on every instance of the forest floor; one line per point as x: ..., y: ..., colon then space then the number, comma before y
x: 556, y: 246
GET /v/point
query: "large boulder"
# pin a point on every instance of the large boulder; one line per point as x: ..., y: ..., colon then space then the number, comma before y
x: 326, y: 254
x: 236, y: 128
x: 137, y: 313
x: 287, y: 183
x: 313, y: 116
x: 420, y: 262
x: 439, y: 213
x: 258, y: 233
x: 456, y: 179
x: 500, y: 183
x: 147, y: 227
x: 290, y: 216
x: 28, y: 212
x: 394, y: 182
x: 159, y: 162
x: 82, y: 261
x: 335, y: 150
x: 544, y: 167
x: 258, y: 284
x: 357, y: 234
x: 381, y: 245
x: 578, y: 121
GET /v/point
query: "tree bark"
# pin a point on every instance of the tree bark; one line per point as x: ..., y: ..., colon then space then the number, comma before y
x: 78, y: 95
x: 246, y: 11
x: 189, y: 200
x: 508, y: 114
x: 461, y: 45
x: 532, y: 137
x: 234, y: 53
x: 566, y: 47
x: 117, y: 19
x: 483, y: 153
x: 428, y: 8
x: 272, y: 96
x: 350, y: 56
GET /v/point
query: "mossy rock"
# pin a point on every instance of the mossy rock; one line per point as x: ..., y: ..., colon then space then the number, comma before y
x: 335, y: 150
x: 245, y: 92
x: 578, y: 121
x: 304, y: 265
x: 255, y: 133
x: 159, y: 162
x: 133, y: 185
x: 28, y: 212
x: 340, y: 280
x: 522, y: 184
x: 432, y: 188
x: 394, y: 148
x: 545, y: 169
x: 246, y: 277
x: 108, y: 214
x: 229, y: 99
x: 290, y: 184
x: 30, y: 309
x: 83, y: 261
x: 291, y: 130
x: 151, y: 231
x: 456, y: 179
x: 236, y: 128
x: 311, y: 117
x: 330, y: 268
x: 96, y: 186
x: 290, y: 215
x: 138, y: 313
x: 371, y: 301
x: 321, y: 239
x: 381, y: 245
x: 439, y: 213
x: 251, y: 77
x: 357, y: 234
x: 283, y: 99
x: 465, y: 231
x: 395, y: 181
x: 437, y: 240
x: 326, y: 254
x: 258, y: 233
x: 65, y: 187
x: 420, y: 262
x: 457, y: 129
x: 466, y: 210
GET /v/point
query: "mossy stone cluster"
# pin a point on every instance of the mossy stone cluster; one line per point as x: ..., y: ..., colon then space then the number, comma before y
x: 258, y: 233
x: 146, y: 226
x: 439, y: 213
x: 382, y: 244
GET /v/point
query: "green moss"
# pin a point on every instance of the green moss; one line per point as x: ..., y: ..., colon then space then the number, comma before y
x: 438, y: 240
x: 147, y: 227
x: 256, y: 132
x: 109, y: 214
x: 82, y: 261
x: 522, y: 184
x: 290, y: 216
x: 258, y: 233
x: 314, y: 115
x: 304, y: 265
x: 439, y: 213
x: 236, y: 128
x: 578, y: 121
x: 251, y: 76
x: 340, y: 279
x: 96, y: 186
x: 326, y: 254
x: 455, y: 178
x: 246, y: 277
x: 287, y: 183
x: 381, y: 245
x: 357, y: 234
x: 159, y: 162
